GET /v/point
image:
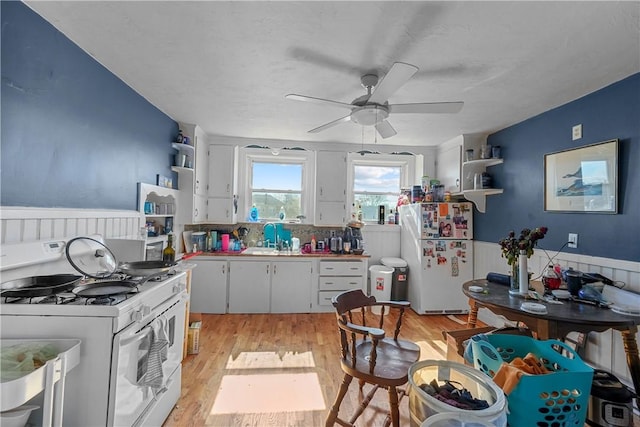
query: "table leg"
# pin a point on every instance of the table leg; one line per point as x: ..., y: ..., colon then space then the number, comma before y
x: 473, y: 314
x: 633, y: 360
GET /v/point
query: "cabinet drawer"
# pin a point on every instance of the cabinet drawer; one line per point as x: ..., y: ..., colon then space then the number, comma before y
x: 324, y: 297
x: 341, y: 268
x: 328, y: 283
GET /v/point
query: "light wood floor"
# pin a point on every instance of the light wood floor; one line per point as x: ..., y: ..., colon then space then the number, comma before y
x: 283, y: 370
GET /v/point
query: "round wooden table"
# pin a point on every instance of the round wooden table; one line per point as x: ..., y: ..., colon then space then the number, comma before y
x: 560, y: 319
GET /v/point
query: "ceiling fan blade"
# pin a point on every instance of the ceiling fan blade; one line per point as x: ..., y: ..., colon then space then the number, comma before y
x: 385, y: 129
x: 331, y: 124
x: 398, y: 75
x: 426, y: 107
x: 317, y: 100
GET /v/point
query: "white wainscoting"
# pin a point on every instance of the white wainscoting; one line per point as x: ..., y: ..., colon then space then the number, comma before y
x: 604, y: 350
x: 23, y: 224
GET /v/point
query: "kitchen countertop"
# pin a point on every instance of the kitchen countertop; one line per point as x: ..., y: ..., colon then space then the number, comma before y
x: 297, y: 255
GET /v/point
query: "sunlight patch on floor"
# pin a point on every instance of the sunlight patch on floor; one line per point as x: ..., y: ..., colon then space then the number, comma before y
x: 271, y: 359
x: 268, y: 394
x: 434, y: 350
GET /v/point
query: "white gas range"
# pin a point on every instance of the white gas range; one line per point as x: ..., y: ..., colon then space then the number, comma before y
x: 131, y: 343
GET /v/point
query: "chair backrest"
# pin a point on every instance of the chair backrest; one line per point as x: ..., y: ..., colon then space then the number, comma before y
x: 353, y: 322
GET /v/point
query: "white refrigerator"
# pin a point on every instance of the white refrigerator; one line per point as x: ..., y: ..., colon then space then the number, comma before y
x: 436, y: 243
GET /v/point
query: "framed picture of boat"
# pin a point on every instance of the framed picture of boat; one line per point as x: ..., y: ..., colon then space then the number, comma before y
x: 583, y: 179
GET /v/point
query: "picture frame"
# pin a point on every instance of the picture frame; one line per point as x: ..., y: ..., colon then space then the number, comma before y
x: 583, y: 179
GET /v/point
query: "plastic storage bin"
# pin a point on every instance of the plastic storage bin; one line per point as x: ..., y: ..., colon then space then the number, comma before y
x: 381, y: 278
x: 400, y: 278
x: 560, y: 398
x: 422, y: 406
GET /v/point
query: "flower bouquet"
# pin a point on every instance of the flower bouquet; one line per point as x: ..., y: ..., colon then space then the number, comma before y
x: 517, y: 251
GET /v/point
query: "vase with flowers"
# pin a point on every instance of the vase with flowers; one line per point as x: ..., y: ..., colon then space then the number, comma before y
x: 517, y: 251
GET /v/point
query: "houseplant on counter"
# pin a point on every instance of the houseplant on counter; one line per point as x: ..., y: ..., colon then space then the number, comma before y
x: 517, y: 251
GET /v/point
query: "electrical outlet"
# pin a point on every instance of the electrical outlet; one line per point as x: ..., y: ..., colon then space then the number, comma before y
x: 573, y: 240
x: 576, y: 132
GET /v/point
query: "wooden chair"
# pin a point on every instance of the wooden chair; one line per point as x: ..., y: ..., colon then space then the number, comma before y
x: 369, y: 355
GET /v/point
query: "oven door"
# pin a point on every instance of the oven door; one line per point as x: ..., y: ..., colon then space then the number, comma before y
x: 146, y: 354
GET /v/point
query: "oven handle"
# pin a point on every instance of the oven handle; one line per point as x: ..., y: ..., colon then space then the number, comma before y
x: 138, y: 336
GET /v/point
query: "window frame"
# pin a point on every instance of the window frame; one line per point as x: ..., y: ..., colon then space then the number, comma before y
x: 266, y: 155
x: 406, y: 162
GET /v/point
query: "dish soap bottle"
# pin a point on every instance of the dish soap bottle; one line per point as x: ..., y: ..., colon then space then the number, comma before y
x: 253, y: 214
x: 313, y: 243
x: 169, y: 254
x: 281, y: 215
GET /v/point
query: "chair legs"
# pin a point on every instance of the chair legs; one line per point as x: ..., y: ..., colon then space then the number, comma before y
x: 393, y: 407
x: 393, y: 417
x: 333, y: 414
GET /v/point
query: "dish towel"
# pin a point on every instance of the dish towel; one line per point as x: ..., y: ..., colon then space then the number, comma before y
x: 158, y: 349
x: 509, y: 374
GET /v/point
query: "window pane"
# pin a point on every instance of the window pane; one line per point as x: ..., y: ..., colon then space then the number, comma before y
x: 369, y: 204
x: 374, y: 186
x: 269, y: 204
x: 277, y: 176
x: 378, y: 179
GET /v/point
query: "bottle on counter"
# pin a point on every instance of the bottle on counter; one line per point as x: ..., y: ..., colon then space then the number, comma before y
x: 313, y: 243
x: 209, y: 244
x: 169, y: 254
x: 397, y: 217
x: 392, y: 217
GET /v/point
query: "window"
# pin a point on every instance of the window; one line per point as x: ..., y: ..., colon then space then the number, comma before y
x: 376, y: 179
x: 276, y: 186
x: 276, y: 181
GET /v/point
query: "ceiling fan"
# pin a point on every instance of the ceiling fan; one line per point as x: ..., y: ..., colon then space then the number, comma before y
x: 373, y: 109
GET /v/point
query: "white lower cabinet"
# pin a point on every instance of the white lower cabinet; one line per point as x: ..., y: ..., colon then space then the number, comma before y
x: 335, y: 277
x: 249, y: 286
x: 291, y: 286
x: 209, y: 286
x: 257, y: 286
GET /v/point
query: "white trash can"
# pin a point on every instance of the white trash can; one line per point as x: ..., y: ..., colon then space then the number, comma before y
x: 380, y: 281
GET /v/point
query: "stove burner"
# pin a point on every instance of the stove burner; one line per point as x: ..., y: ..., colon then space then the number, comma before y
x: 101, y: 301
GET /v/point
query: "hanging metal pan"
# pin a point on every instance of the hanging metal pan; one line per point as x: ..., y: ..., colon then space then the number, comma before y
x: 104, y: 289
x: 146, y: 268
x: 38, y: 286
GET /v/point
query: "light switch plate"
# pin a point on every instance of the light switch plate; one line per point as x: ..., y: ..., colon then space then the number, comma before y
x: 576, y: 132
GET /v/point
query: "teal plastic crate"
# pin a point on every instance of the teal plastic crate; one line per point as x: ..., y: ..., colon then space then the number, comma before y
x: 557, y: 399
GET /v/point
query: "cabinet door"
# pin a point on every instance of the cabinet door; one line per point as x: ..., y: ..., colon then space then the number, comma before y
x: 448, y: 168
x: 201, y: 165
x: 249, y: 286
x: 199, y: 208
x: 220, y: 210
x: 331, y: 173
x: 209, y: 286
x: 221, y: 164
x: 290, y: 286
x: 330, y: 213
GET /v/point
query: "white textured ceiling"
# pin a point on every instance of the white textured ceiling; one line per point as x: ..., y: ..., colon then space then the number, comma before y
x: 228, y: 65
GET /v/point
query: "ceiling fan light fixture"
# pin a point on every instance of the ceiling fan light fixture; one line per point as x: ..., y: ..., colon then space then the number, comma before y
x: 369, y: 115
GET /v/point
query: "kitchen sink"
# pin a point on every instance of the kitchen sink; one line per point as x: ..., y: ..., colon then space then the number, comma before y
x: 261, y: 251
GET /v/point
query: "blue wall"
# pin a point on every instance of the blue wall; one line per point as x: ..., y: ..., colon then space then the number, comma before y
x: 73, y: 134
x: 610, y: 113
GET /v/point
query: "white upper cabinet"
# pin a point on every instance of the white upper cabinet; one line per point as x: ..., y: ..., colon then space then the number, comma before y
x: 331, y: 188
x: 448, y: 167
x: 331, y: 176
x: 191, y: 179
x: 222, y: 187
